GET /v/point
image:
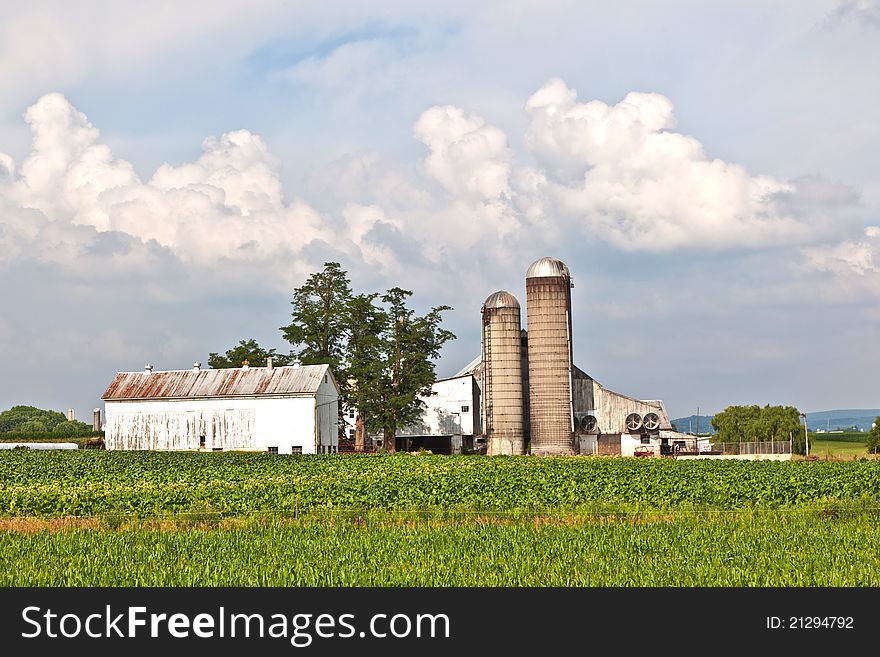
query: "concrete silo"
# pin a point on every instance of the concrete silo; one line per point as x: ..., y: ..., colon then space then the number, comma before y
x: 548, y: 308
x: 502, y: 374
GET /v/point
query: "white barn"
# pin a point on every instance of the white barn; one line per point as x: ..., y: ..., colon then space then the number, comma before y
x: 284, y: 410
x: 450, y: 418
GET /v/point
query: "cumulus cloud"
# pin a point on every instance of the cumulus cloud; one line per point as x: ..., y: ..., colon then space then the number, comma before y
x: 619, y: 173
x: 467, y: 157
x: 850, y: 257
x: 622, y: 173
x: 226, y: 204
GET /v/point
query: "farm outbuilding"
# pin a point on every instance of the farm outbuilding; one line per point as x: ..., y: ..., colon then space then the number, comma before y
x: 285, y: 410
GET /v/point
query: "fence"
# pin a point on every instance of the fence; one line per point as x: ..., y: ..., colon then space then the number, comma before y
x: 754, y: 447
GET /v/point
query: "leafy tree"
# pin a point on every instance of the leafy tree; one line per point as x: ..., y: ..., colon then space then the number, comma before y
x: 72, y: 427
x: 874, y: 437
x: 410, y: 344
x: 753, y: 423
x: 29, y: 419
x: 320, y: 311
x: 381, y: 354
x: 365, y: 325
x: 247, y: 350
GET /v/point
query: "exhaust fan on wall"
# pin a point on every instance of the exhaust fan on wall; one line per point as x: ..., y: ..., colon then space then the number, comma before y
x: 633, y: 422
x: 652, y: 421
x: 589, y: 423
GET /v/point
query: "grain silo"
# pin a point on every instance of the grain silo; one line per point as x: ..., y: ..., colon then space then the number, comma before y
x: 548, y: 308
x: 502, y: 374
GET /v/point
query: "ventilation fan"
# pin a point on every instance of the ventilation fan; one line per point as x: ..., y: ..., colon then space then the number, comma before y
x: 652, y: 421
x: 633, y: 422
x: 589, y: 423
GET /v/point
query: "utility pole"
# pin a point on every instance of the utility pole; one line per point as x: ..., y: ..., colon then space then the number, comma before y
x: 806, y: 436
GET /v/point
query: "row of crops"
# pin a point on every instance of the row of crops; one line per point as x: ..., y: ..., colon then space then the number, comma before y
x: 798, y: 548
x: 146, y: 484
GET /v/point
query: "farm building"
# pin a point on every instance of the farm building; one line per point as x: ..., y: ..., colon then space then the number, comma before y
x: 285, y: 410
x: 450, y: 420
x: 524, y: 388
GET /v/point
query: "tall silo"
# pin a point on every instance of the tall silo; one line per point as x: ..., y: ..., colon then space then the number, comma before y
x: 548, y: 308
x: 502, y: 374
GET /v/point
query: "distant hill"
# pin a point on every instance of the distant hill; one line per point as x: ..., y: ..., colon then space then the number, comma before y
x: 846, y: 418
x: 860, y: 418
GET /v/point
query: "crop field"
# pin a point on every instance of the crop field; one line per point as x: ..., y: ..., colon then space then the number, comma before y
x: 147, y: 484
x: 840, y: 449
x: 796, y: 548
x: 93, y: 518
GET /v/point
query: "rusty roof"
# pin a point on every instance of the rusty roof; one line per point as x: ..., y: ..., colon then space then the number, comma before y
x: 237, y: 382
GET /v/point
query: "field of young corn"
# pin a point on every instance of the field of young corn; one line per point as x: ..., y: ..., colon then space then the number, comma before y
x: 226, y: 519
x: 795, y: 548
x: 91, y: 483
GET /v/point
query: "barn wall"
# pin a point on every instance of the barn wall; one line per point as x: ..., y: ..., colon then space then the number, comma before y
x: 327, y: 412
x: 442, y: 415
x: 611, y: 408
x: 239, y: 423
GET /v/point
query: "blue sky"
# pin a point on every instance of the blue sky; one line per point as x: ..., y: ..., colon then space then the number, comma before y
x: 169, y: 173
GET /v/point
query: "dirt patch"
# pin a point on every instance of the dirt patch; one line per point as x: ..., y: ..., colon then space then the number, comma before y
x: 32, y: 525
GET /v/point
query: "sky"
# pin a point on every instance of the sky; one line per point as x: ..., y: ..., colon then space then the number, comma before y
x: 709, y: 172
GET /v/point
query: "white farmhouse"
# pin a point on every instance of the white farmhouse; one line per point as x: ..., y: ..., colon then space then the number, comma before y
x: 284, y: 410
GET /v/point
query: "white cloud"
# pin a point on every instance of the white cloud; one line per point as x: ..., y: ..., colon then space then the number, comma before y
x: 467, y: 157
x: 226, y: 204
x: 614, y: 172
x: 621, y: 173
x: 851, y: 257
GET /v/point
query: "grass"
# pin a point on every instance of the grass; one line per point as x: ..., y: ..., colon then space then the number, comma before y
x: 838, y: 449
x: 745, y: 549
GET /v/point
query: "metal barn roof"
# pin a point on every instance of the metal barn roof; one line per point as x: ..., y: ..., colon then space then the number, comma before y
x: 233, y: 382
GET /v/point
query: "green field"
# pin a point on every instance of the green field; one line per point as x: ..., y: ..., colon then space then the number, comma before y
x: 147, y: 484
x: 94, y: 518
x: 759, y: 549
x: 838, y: 449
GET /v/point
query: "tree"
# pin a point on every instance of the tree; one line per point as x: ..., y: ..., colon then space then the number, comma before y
x: 365, y: 325
x: 29, y: 419
x: 72, y: 427
x: 381, y: 355
x: 320, y: 310
x: 247, y: 350
x: 410, y: 345
x: 752, y: 423
x: 874, y: 437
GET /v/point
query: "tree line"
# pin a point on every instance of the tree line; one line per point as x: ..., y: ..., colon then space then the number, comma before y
x: 737, y: 424
x: 32, y: 420
x: 380, y: 350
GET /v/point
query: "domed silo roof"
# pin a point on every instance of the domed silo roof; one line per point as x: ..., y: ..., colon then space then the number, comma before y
x: 501, y: 299
x: 545, y: 267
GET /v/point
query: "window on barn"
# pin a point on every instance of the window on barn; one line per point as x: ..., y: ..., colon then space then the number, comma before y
x: 351, y: 413
x: 201, y: 442
x: 272, y: 450
x: 465, y: 409
x: 351, y: 433
x: 646, y: 440
x: 296, y: 450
